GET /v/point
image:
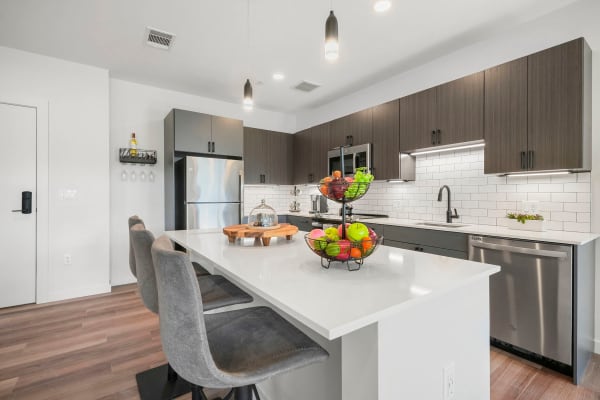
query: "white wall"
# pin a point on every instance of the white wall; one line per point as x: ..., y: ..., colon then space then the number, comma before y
x: 77, y: 96
x: 141, y: 109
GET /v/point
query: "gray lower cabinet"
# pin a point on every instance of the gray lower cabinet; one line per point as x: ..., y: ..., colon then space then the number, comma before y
x: 444, y: 243
x: 303, y: 223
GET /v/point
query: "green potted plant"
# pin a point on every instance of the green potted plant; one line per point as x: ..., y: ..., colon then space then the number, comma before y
x: 524, y: 221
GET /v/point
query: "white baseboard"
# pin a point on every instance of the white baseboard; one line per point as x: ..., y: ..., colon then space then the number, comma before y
x: 123, y: 281
x: 75, y: 292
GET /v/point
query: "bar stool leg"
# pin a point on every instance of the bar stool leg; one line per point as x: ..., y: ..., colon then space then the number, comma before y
x: 198, y: 393
x: 243, y: 393
x: 255, y: 390
x: 171, y: 374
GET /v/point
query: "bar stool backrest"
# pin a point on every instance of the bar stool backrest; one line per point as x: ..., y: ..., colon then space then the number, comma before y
x: 142, y: 240
x: 134, y: 219
x: 182, y: 328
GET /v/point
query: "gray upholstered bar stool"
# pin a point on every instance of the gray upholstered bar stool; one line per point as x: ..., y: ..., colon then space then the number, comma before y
x: 232, y: 349
x: 217, y: 292
x: 134, y: 219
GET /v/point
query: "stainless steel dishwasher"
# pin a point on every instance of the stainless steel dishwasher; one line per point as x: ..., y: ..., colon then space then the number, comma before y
x: 531, y: 299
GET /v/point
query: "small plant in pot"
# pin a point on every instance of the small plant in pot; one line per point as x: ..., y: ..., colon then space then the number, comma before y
x: 533, y: 222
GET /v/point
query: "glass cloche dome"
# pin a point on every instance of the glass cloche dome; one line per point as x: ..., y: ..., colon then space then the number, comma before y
x: 263, y: 216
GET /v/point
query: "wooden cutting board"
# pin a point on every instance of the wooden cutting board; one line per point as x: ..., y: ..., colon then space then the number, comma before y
x: 234, y: 232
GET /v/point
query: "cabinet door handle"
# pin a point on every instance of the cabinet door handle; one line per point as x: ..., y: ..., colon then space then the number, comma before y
x: 209, y: 146
x: 530, y: 159
x: 213, y: 147
x: 523, y: 162
x: 439, y: 136
x: 433, y: 137
x: 310, y: 178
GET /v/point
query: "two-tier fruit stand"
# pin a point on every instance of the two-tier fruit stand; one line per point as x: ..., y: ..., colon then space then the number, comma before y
x: 343, y: 192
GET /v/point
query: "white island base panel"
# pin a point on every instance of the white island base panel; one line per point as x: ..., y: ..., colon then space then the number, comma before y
x: 402, y: 357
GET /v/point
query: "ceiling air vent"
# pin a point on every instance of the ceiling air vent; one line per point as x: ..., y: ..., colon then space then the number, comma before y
x: 306, y: 86
x: 159, y: 39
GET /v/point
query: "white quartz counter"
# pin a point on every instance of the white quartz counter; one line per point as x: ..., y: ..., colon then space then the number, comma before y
x: 562, y: 237
x: 574, y: 238
x: 332, y: 302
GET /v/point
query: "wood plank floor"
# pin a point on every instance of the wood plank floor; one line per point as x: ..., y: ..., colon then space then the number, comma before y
x: 91, y: 348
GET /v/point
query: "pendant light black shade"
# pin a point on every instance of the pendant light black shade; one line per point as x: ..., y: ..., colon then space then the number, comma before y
x: 248, y: 101
x: 331, y: 37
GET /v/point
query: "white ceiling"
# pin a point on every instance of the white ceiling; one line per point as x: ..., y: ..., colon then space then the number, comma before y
x: 212, y: 56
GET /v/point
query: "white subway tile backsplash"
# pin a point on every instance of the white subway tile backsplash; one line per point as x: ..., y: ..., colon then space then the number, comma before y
x: 577, y: 187
x: 565, y: 197
x: 563, y: 216
x: 578, y: 207
x: 563, y: 200
x: 551, y: 187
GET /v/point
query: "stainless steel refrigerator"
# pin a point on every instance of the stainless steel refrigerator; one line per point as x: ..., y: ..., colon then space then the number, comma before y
x: 208, y: 192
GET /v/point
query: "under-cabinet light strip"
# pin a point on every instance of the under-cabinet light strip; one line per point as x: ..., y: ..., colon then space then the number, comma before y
x: 469, y: 146
x: 516, y: 175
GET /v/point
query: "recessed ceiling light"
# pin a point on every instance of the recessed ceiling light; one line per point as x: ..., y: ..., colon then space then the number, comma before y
x: 278, y: 76
x: 382, y: 5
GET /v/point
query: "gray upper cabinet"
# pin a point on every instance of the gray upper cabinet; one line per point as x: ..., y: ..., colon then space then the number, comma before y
x: 227, y: 136
x: 193, y: 131
x: 268, y: 157
x: 207, y: 134
x: 447, y: 114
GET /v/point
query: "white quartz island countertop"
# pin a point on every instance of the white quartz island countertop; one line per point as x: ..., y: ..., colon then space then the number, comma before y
x: 332, y: 302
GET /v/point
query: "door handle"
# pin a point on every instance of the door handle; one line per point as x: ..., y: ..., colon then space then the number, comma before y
x: 439, y: 136
x: 209, y: 146
x: 433, y: 137
x: 530, y: 159
x: 213, y: 147
x: 25, y: 203
x: 523, y: 162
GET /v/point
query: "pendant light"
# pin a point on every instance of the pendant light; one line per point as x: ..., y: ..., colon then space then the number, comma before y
x: 382, y: 5
x: 248, y: 99
x: 332, y: 46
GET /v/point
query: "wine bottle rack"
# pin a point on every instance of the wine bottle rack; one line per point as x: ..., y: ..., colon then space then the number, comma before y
x: 142, y: 156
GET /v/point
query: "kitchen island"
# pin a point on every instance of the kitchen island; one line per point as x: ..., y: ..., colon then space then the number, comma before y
x: 400, y: 327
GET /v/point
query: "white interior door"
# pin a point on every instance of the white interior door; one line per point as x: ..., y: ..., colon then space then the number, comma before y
x: 17, y: 230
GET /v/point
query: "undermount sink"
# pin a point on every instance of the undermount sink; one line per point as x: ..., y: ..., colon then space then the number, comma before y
x: 442, y: 224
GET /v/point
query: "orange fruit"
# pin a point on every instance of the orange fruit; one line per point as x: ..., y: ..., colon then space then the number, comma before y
x: 327, y: 179
x: 324, y: 189
x: 337, y: 174
x: 355, y: 252
x: 367, y: 243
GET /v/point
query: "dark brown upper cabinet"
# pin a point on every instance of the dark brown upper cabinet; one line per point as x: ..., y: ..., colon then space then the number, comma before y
x: 386, y: 140
x: 355, y: 128
x: 417, y: 120
x: 506, y: 117
x: 443, y: 115
x: 268, y: 157
x: 559, y: 107
x: 310, y: 154
x: 537, y: 111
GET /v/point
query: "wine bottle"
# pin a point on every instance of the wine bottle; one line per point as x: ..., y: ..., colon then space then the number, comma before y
x: 133, y: 145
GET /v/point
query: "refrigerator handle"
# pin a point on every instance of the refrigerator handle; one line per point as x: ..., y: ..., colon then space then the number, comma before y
x: 241, y: 183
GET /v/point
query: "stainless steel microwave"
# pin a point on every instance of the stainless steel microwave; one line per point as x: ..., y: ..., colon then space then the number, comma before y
x: 354, y: 157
